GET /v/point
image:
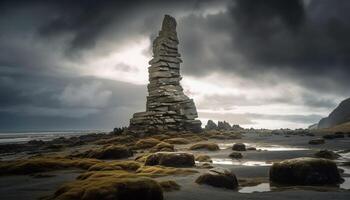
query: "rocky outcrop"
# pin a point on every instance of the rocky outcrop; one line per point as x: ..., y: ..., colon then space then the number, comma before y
x: 167, y: 107
x: 211, y: 125
x: 338, y: 116
x: 224, y: 126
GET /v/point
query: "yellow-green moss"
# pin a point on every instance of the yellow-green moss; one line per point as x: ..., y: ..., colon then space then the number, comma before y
x: 203, y: 158
x: 156, y: 171
x: 163, y: 146
x: 177, y: 141
x: 110, y: 185
x: 129, y: 165
x: 146, y: 143
x: 42, y: 164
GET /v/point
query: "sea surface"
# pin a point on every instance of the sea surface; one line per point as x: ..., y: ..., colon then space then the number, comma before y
x: 23, y: 137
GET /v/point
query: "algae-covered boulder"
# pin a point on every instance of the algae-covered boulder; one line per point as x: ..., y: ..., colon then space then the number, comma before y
x: 305, y: 171
x: 163, y: 146
x: 110, y: 185
x: 146, y: 143
x: 171, y: 159
x: 203, y: 158
x: 219, y: 177
x: 327, y: 154
x: 239, y: 147
x: 109, y: 152
x: 205, y: 146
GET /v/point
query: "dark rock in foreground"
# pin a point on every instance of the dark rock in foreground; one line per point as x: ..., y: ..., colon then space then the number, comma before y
x: 219, y: 177
x: 171, y: 159
x: 239, y: 147
x: 305, y: 171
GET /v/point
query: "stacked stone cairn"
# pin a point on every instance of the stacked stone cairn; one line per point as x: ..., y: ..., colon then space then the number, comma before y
x: 167, y: 107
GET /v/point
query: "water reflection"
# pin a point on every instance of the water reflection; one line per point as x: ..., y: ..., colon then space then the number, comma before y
x: 262, y: 187
x: 228, y: 161
x: 346, y: 184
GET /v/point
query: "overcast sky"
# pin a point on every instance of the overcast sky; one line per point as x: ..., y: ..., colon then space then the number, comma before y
x: 83, y: 64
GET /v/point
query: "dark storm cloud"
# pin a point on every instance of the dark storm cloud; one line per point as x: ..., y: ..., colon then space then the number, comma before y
x: 303, y: 41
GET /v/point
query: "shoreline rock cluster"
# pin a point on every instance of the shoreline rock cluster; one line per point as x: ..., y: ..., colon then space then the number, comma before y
x: 167, y: 107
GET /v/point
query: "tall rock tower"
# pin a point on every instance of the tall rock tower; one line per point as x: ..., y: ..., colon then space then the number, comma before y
x: 167, y: 107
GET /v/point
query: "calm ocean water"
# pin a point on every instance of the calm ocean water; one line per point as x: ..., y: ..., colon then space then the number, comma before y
x: 22, y: 137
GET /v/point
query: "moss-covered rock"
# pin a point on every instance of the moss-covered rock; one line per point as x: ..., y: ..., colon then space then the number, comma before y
x: 219, y: 177
x: 239, y: 147
x: 170, y: 159
x: 163, y: 146
x: 203, y: 158
x: 146, y: 143
x: 43, y: 164
x: 127, y: 165
x: 205, y: 146
x: 305, y: 171
x: 157, y: 171
x: 110, y: 185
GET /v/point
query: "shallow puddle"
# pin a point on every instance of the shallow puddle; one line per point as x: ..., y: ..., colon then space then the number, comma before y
x: 262, y: 187
x: 228, y: 161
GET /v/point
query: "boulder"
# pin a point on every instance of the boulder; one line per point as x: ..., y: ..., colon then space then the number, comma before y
x: 219, y: 177
x: 239, y: 147
x: 171, y: 159
x: 236, y: 155
x: 327, y: 154
x: 305, y: 171
x: 205, y: 146
x: 203, y: 158
x: 317, y: 141
x: 163, y: 146
x: 147, y: 143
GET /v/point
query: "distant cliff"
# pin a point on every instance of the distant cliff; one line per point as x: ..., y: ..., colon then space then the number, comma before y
x: 339, y: 115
